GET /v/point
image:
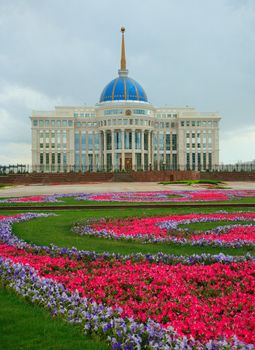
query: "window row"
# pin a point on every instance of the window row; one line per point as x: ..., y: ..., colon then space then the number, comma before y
x: 199, y: 161
x: 84, y: 115
x: 198, y: 123
x: 47, y: 123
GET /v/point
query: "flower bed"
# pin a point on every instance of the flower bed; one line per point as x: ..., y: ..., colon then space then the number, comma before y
x: 203, y: 302
x: 157, y: 196
x: 132, y: 301
x: 166, y: 228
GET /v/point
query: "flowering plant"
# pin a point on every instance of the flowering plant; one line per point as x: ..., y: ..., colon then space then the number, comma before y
x: 156, y: 196
x: 137, y: 301
x: 166, y: 229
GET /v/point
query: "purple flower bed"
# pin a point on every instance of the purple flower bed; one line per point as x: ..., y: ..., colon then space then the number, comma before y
x: 7, y: 237
x: 120, y: 333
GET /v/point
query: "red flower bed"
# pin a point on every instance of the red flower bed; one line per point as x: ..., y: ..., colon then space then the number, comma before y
x: 201, y: 301
x: 165, y: 226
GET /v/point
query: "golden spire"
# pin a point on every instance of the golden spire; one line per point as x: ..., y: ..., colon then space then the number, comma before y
x: 123, y: 54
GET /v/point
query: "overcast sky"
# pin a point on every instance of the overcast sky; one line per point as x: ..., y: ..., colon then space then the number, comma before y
x: 199, y: 53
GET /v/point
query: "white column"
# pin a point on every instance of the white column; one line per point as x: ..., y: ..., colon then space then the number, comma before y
x: 133, y: 150
x: 100, y: 150
x: 122, y: 149
x: 113, y: 151
x: 152, y: 151
x: 105, y: 160
x: 164, y: 149
x: 142, y: 149
x: 158, y: 152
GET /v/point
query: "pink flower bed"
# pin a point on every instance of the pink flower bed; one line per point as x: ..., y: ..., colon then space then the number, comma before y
x: 205, y: 302
x: 171, y: 196
x: 35, y: 199
x: 156, y: 196
x: 166, y: 227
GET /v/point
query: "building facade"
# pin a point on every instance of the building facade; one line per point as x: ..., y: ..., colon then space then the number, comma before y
x: 124, y: 132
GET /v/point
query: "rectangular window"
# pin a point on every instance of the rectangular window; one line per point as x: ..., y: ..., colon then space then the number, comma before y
x: 146, y: 141
x: 210, y: 161
x: 35, y: 122
x: 188, y: 161
x: 77, y: 141
x: 204, y: 161
x: 70, y: 123
x: 174, y: 142
x: 41, y: 123
x: 174, y: 161
x: 168, y: 142
x: 108, y: 141
x: 117, y: 139
x: 168, y: 164
x: 109, y: 162
x: 199, y: 161
x: 96, y: 142
x: 128, y: 140
x: 41, y: 158
x: 138, y: 161
x: 138, y: 140
x: 58, y: 123
x: 53, y: 158
x: 64, y: 123
x: 155, y: 142
x: 83, y: 141
x: 161, y: 142
x: 193, y: 161
x: 90, y: 142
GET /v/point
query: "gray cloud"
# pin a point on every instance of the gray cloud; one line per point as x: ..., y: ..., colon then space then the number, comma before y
x: 199, y: 53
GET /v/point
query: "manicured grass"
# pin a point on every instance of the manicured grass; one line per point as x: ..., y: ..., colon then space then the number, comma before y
x: 192, y: 182
x: 57, y: 230
x: 24, y: 326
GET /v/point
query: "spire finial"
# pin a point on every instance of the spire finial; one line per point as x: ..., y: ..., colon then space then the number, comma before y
x: 123, y: 69
x: 123, y: 54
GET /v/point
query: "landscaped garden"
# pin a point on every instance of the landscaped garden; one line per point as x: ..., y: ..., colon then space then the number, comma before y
x: 109, y: 198
x: 132, y: 278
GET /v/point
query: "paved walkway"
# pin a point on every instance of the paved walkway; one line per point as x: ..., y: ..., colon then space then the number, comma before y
x: 17, y: 191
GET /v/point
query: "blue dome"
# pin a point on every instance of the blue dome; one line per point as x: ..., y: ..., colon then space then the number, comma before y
x: 123, y: 89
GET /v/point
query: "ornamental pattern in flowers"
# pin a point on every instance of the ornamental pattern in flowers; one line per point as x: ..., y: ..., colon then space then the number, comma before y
x: 166, y: 229
x: 163, y: 306
x: 157, y: 196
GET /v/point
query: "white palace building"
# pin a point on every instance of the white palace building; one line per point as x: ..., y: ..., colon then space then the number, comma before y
x: 124, y: 131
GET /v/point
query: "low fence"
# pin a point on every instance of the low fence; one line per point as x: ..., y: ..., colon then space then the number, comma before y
x: 65, y: 178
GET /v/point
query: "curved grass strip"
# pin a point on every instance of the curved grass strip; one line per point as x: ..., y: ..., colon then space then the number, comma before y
x: 7, y: 237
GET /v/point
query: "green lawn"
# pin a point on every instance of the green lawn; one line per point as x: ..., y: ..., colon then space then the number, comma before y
x: 57, y: 230
x: 24, y: 326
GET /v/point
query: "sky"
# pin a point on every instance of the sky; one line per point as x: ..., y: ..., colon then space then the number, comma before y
x: 199, y: 53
